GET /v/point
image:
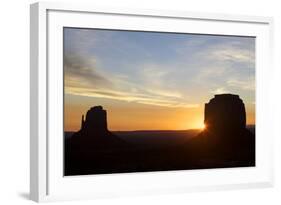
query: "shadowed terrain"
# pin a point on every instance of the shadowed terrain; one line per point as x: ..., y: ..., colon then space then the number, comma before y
x: 225, y: 142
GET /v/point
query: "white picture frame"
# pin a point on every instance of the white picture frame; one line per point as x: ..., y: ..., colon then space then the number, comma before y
x: 47, y: 182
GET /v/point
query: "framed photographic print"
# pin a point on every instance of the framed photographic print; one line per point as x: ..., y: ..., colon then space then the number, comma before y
x: 127, y: 102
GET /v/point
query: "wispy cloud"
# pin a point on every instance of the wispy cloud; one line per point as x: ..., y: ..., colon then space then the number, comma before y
x: 221, y: 64
x: 83, y: 71
x: 143, y: 98
x: 232, y: 54
x: 248, y: 84
x: 221, y: 90
x: 162, y: 70
x: 84, y: 79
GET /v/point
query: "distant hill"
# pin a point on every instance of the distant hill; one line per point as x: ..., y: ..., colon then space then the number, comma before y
x: 144, y: 134
x: 153, y: 138
x: 157, y: 138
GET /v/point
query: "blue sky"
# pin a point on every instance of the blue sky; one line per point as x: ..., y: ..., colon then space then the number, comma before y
x: 158, y: 69
x: 185, y: 66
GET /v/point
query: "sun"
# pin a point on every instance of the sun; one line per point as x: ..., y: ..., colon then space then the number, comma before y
x: 203, y: 126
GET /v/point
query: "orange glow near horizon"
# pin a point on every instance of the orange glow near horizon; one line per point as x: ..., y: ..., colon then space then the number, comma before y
x: 133, y: 116
x: 203, y: 127
x: 153, y: 80
x: 126, y: 116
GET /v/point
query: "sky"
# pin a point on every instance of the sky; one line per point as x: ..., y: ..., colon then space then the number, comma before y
x: 153, y: 80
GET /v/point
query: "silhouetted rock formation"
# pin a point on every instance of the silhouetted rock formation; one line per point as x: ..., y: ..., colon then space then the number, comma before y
x: 91, y: 144
x: 225, y: 114
x: 225, y: 142
x: 94, y: 134
x: 225, y: 138
x: 95, y: 123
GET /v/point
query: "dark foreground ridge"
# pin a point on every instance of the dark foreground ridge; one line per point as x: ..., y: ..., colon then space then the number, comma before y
x: 225, y: 142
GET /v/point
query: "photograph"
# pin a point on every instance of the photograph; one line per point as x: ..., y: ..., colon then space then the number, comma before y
x: 146, y: 101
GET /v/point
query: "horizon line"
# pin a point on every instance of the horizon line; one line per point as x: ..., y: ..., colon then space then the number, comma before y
x: 248, y: 125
